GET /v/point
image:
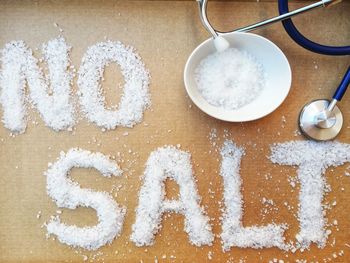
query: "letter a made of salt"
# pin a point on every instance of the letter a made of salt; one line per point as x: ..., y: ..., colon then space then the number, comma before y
x: 163, y: 163
x: 20, y: 68
x: 233, y: 232
x: 68, y: 194
x: 312, y: 159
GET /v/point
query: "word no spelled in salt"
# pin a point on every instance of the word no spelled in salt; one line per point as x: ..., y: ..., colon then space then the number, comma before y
x: 20, y: 69
x: 311, y: 158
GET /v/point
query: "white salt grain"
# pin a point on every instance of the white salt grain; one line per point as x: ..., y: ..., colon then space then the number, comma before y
x: 135, y: 98
x: 38, y: 215
x: 230, y: 79
x: 68, y: 194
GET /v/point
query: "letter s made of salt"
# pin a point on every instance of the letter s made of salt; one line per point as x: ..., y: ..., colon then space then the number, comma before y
x: 68, y: 194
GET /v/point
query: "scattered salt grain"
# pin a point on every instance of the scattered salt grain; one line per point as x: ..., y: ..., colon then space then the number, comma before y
x: 163, y: 163
x: 38, y: 215
x: 230, y: 79
x: 68, y: 194
x: 135, y: 98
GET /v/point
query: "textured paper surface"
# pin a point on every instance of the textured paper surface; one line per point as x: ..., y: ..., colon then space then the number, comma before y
x: 164, y: 34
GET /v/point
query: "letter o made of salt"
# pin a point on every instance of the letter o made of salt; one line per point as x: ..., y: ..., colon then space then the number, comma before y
x: 135, y: 97
x: 68, y: 194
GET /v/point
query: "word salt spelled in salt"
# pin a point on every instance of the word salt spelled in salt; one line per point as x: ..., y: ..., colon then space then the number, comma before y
x: 312, y: 159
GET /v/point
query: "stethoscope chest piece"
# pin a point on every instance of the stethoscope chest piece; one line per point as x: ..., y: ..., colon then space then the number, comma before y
x: 319, y: 124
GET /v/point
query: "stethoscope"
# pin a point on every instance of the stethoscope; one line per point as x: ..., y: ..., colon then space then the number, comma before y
x: 320, y: 119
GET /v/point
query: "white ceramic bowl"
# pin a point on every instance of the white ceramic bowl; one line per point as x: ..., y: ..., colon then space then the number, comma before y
x: 277, y: 70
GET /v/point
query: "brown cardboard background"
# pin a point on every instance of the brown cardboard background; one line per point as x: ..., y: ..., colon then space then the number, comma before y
x: 164, y: 34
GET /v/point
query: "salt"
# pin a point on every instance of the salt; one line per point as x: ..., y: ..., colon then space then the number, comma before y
x: 221, y: 44
x: 20, y: 68
x: 68, y: 194
x: 38, y: 215
x: 233, y: 232
x: 230, y: 79
x: 135, y: 98
x: 163, y: 163
x: 312, y: 159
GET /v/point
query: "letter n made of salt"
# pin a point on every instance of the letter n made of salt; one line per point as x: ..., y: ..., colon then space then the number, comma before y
x: 233, y: 231
x: 20, y: 69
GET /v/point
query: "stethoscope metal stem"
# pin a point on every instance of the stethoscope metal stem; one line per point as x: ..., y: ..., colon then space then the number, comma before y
x: 332, y: 105
x: 322, y: 3
x: 326, y: 119
x: 203, y: 15
x: 202, y: 4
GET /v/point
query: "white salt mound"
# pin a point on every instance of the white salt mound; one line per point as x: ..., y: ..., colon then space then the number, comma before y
x: 230, y: 79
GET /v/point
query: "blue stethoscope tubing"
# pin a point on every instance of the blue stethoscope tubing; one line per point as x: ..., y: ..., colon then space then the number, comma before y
x: 315, y: 47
